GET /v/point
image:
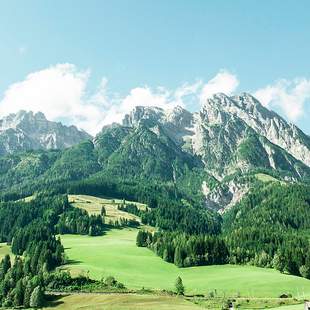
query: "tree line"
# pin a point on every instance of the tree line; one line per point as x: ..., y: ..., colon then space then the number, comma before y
x: 185, y: 250
x: 268, y: 228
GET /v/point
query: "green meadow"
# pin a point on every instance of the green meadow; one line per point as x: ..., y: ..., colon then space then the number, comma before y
x: 94, y: 204
x: 4, y: 249
x: 116, y: 254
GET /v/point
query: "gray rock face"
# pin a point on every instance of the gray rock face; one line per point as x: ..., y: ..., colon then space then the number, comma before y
x: 178, y: 123
x: 266, y: 123
x: 229, y: 135
x: 25, y: 131
x: 223, y: 130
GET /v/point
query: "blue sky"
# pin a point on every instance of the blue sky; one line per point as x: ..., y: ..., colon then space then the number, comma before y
x: 116, y: 47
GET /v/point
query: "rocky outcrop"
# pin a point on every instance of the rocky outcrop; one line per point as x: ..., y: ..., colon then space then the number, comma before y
x: 231, y: 135
x: 30, y: 131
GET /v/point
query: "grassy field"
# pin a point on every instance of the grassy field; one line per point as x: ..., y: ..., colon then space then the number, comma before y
x: 4, y: 249
x: 154, y: 302
x: 266, y: 178
x: 93, y: 205
x: 122, y: 302
x: 116, y: 254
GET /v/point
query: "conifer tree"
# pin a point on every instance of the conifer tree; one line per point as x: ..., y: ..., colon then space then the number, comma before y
x: 19, y: 294
x: 179, y: 286
x: 37, y: 298
x: 177, y: 257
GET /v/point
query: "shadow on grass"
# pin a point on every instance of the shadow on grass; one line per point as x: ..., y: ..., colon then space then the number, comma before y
x: 52, y: 301
x: 73, y: 262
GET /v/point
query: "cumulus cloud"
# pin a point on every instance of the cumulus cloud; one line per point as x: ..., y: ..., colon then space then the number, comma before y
x: 223, y: 82
x: 58, y: 92
x: 146, y: 96
x: 288, y: 96
x: 61, y: 93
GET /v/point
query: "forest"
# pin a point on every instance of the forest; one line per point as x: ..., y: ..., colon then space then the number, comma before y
x: 268, y: 228
x: 31, y: 228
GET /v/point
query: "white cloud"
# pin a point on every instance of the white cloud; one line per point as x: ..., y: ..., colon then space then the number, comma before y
x: 289, y: 96
x: 60, y: 92
x: 145, y: 96
x: 223, y: 82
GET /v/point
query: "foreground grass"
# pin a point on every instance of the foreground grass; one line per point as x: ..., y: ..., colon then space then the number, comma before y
x: 246, y: 303
x: 116, y: 254
x: 122, y: 302
x: 293, y: 307
x: 154, y: 302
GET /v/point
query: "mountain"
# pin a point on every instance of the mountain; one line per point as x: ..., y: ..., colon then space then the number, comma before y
x: 231, y: 137
x: 28, y: 131
x: 231, y: 133
x: 215, y: 155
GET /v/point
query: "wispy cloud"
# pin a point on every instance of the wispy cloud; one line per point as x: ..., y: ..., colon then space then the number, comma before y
x: 290, y: 97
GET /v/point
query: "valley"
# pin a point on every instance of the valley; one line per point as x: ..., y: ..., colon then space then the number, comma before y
x: 155, y: 155
x: 213, y: 205
x: 116, y: 254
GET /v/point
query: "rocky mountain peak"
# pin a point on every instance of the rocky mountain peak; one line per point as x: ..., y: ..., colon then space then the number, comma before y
x: 225, y: 120
x: 142, y: 113
x: 179, y: 116
x: 27, y: 130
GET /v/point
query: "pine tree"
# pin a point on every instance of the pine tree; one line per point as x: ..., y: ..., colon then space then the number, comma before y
x: 165, y: 255
x: 178, y: 257
x: 279, y: 262
x: 5, y: 266
x: 19, y: 294
x: 37, y: 298
x: 304, y: 270
x: 141, y: 238
x: 27, y: 295
x: 179, y: 286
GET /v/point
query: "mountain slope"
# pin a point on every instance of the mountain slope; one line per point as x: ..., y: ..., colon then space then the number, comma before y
x: 145, y: 151
x: 28, y: 131
x: 211, y: 157
x: 223, y: 137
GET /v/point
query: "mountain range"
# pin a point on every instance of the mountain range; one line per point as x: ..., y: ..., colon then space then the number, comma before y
x: 214, y: 152
x: 31, y: 131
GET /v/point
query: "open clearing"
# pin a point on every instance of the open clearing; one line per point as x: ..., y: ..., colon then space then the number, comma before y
x: 93, y: 205
x: 122, y: 302
x: 4, y: 249
x: 267, y: 178
x: 117, y: 254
